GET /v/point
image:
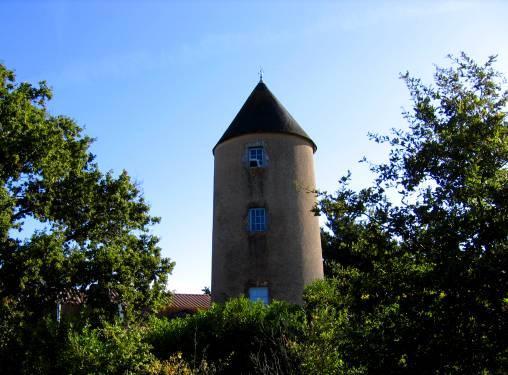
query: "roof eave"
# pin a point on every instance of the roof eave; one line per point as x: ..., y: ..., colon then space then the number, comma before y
x: 313, y: 145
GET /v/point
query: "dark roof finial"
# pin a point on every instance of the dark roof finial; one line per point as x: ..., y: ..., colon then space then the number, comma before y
x: 260, y: 74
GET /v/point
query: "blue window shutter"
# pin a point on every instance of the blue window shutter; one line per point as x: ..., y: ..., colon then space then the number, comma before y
x: 259, y: 294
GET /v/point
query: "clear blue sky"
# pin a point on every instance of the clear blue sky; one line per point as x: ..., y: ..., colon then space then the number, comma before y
x: 157, y: 83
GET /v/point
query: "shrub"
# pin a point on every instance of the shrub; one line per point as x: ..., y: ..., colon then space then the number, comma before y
x: 236, y: 337
x: 112, y: 349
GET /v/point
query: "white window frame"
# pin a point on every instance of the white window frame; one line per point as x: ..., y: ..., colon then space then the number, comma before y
x: 257, y: 219
x: 256, y: 156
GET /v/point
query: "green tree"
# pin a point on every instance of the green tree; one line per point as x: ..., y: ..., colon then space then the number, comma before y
x: 96, y: 240
x: 419, y: 285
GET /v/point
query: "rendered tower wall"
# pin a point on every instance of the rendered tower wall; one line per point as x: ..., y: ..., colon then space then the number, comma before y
x: 287, y: 256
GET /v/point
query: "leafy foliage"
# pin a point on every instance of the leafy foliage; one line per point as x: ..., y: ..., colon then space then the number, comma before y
x: 96, y: 240
x: 420, y: 286
x: 111, y: 349
x: 238, y: 337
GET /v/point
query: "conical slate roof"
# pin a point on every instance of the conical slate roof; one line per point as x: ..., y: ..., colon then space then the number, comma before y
x: 263, y: 113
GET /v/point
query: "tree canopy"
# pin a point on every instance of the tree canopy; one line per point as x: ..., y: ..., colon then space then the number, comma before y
x: 419, y: 284
x: 95, y: 242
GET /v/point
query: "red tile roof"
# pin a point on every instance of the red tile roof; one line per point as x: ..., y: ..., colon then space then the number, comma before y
x: 187, y: 303
x: 201, y: 301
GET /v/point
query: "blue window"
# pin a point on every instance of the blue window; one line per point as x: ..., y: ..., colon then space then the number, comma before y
x: 257, y: 220
x: 259, y: 294
x: 256, y: 157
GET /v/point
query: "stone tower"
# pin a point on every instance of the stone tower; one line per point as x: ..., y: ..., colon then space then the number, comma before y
x: 266, y: 241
